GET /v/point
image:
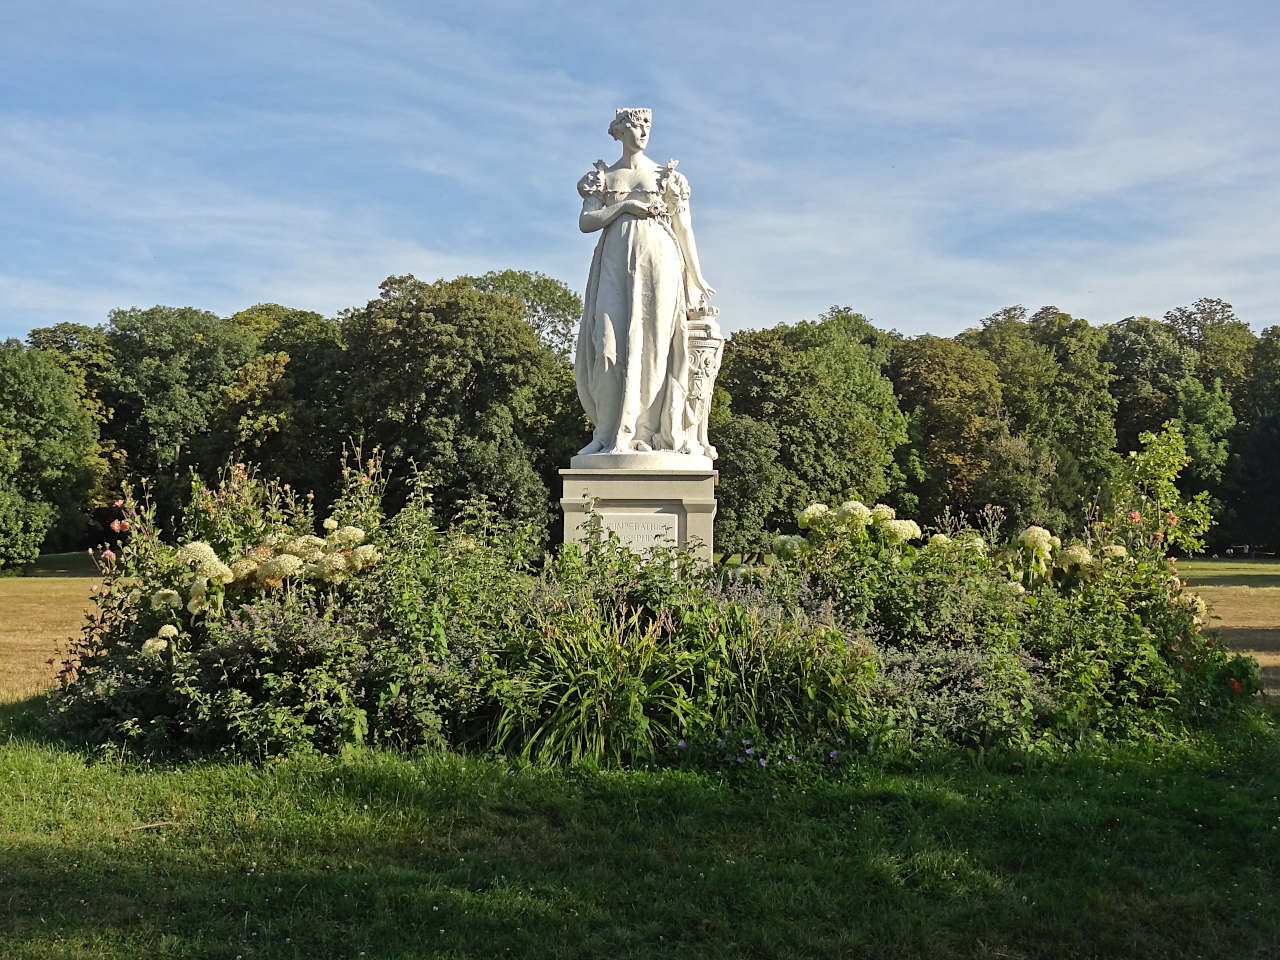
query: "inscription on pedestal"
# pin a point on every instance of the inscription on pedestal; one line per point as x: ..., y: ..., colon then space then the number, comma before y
x: 642, y: 507
x: 640, y: 531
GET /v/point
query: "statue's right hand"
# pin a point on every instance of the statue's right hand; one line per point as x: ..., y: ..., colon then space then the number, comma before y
x: 636, y: 208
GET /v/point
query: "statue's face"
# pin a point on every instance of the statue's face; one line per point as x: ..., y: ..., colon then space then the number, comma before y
x: 635, y: 134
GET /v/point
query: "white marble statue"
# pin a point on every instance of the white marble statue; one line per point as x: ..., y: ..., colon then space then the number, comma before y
x: 649, y: 346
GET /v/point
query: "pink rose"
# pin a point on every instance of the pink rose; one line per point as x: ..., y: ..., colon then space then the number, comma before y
x: 109, y: 555
x: 115, y: 525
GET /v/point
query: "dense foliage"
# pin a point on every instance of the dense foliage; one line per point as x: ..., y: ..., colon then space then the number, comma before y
x: 262, y: 634
x: 471, y: 381
x: 47, y: 452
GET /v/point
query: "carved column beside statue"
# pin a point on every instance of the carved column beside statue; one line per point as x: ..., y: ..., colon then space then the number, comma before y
x: 648, y: 352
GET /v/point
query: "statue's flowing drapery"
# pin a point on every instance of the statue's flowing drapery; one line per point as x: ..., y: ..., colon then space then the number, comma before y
x: 632, y: 364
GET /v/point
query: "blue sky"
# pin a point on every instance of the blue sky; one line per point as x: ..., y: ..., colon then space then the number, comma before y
x: 925, y: 163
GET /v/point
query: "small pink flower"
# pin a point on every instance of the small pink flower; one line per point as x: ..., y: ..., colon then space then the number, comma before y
x: 109, y: 555
x: 1159, y: 537
x: 118, y: 503
x: 115, y: 525
x: 311, y: 496
x: 1171, y: 518
x: 1134, y: 516
x: 124, y: 526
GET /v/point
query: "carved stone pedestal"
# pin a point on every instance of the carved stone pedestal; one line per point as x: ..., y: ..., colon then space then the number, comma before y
x: 644, y: 507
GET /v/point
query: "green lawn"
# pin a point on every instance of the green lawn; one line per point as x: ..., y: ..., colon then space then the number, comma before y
x: 1172, y: 853
x: 1163, y: 853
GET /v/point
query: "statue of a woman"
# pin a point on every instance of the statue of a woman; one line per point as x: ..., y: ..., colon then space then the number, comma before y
x: 645, y: 286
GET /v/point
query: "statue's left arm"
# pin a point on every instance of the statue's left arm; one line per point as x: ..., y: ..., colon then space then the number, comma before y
x: 682, y: 227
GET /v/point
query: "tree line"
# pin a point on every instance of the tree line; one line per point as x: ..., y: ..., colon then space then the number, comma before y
x: 471, y: 381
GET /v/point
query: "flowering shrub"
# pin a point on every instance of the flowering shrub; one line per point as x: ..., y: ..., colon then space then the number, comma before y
x: 168, y: 657
x: 1028, y: 641
x: 261, y: 632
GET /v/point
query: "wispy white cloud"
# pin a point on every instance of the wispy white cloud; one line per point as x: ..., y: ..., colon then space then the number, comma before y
x: 925, y: 163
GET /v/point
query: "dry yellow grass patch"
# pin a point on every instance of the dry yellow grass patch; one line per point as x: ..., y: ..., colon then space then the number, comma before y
x: 1248, y: 619
x: 38, y: 615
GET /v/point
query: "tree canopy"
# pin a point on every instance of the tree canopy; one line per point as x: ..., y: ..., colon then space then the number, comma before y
x: 48, y: 444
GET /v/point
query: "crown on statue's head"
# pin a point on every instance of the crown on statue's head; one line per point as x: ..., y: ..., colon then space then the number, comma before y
x: 633, y: 115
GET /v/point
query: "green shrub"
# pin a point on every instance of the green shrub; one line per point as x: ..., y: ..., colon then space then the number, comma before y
x: 23, y: 526
x: 258, y: 634
x: 619, y: 658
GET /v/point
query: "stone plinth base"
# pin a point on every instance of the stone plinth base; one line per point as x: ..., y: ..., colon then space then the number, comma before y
x: 643, y: 507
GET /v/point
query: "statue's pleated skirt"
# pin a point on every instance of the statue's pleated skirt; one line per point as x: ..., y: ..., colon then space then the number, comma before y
x: 632, y: 362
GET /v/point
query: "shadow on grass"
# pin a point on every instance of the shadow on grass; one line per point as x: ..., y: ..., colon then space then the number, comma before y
x: 27, y: 719
x: 63, y: 565
x: 1260, y: 642
x: 1162, y: 857
x: 1261, y: 639
x: 1239, y: 573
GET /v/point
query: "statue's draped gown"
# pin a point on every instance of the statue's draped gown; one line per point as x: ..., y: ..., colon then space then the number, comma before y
x: 632, y: 360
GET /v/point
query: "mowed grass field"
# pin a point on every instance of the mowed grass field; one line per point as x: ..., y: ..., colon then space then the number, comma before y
x: 1244, y: 607
x: 38, y: 614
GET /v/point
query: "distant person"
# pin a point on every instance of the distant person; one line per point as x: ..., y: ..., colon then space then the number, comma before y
x: 1231, y: 551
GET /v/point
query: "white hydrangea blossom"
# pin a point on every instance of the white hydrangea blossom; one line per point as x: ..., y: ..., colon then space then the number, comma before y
x: 197, y: 552
x: 332, y: 566
x: 346, y: 538
x: 155, y: 648
x: 1036, y: 539
x: 1114, y: 551
x: 1076, y: 555
x: 976, y: 544
x: 365, y: 556
x: 788, y: 545
x: 244, y: 568
x: 939, y: 540
x: 900, y: 531
x: 812, y: 514
x: 331, y: 524
x: 1015, y: 588
x: 167, y: 632
x: 308, y: 548
x: 882, y: 513
x: 854, y: 512
x: 214, y: 570
x: 166, y: 600
x: 279, y: 568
